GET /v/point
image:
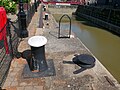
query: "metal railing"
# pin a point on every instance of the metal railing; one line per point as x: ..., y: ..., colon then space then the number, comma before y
x: 13, y: 41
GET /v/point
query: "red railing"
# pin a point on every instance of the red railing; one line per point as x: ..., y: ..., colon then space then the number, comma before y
x: 61, y: 2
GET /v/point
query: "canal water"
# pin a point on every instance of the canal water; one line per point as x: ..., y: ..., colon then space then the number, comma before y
x: 103, y: 44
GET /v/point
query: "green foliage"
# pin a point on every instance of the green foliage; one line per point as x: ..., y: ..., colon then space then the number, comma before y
x: 24, y: 1
x: 9, y: 5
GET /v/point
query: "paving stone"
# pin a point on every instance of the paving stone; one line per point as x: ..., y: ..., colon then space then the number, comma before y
x: 38, y: 88
x: 14, y: 64
x: 6, y: 84
x: 12, y: 74
x: 9, y: 79
x: 23, y: 84
x: 31, y: 83
x: 14, y: 83
x: 15, y: 78
x: 35, y: 84
x: 11, y: 69
x: 28, y: 87
x: 20, y: 88
x: 59, y: 82
x: 11, y: 88
x: 16, y: 69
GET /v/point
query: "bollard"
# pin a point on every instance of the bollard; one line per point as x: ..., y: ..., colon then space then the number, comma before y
x: 44, y: 8
x: 46, y: 16
x: 38, y: 61
x: 35, y: 3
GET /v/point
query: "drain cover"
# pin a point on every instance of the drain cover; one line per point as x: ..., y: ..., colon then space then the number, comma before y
x: 84, y: 60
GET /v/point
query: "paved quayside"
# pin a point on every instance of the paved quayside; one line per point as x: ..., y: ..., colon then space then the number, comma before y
x: 67, y: 76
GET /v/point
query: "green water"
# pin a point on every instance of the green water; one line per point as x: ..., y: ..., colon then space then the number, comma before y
x: 103, y: 44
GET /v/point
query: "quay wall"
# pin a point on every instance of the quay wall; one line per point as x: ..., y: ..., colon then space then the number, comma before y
x: 101, y: 20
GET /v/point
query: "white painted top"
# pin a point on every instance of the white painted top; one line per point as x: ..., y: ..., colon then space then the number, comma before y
x: 46, y: 14
x: 37, y: 41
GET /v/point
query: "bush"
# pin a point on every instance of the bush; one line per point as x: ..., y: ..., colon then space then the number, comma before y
x: 9, y: 5
x: 24, y: 1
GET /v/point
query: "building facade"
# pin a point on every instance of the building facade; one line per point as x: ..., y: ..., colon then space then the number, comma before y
x: 101, y: 2
x: 108, y: 2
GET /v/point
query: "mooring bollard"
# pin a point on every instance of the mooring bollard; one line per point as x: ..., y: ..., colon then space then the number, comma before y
x: 38, y: 61
x: 46, y: 16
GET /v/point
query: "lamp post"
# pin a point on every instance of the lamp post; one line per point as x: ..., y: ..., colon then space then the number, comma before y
x: 22, y: 21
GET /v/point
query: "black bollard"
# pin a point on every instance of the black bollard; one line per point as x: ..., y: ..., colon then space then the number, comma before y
x: 35, y: 3
x: 46, y: 16
x: 22, y: 21
x: 38, y: 61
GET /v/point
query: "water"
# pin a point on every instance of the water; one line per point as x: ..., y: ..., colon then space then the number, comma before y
x: 103, y: 44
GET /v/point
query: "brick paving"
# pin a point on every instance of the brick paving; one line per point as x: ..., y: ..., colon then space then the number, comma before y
x: 14, y: 80
x: 58, y: 50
